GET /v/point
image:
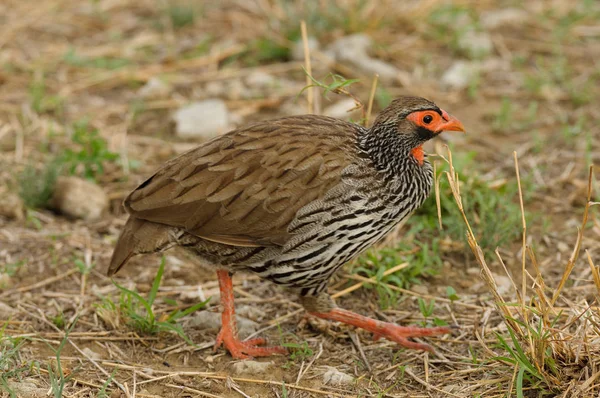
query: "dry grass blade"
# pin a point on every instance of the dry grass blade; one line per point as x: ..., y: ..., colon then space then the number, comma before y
x: 310, y: 93
x: 577, y: 248
x: 551, y: 351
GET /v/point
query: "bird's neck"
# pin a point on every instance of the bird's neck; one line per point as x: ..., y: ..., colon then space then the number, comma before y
x: 391, y: 153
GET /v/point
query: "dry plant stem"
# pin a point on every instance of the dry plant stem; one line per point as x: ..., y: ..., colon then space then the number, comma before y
x: 215, y: 376
x: 371, y: 99
x: 524, y: 311
x: 595, y: 273
x: 575, y: 254
x: 310, y: 92
x: 100, y: 368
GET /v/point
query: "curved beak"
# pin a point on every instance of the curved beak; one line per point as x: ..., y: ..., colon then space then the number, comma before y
x: 450, y: 124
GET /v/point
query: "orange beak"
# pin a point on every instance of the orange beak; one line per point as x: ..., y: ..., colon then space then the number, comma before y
x: 450, y: 124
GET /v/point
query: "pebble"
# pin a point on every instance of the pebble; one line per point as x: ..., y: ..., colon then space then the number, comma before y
x: 202, y: 120
x: 79, y: 198
x: 207, y: 320
x: 251, y: 367
x: 334, y: 377
x: 503, y: 17
x: 476, y: 44
x: 155, y: 88
x: 459, y: 75
x: 504, y: 285
x: 92, y: 354
x: 260, y: 79
x: 339, y: 110
x: 11, y: 206
x: 353, y: 49
x: 298, y: 48
x: 6, y: 311
x: 27, y: 388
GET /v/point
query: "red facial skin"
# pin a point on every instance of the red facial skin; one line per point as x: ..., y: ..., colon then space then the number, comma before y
x: 433, y: 121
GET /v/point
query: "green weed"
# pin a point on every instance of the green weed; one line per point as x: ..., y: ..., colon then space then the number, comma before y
x: 92, y: 153
x: 41, y: 101
x: 36, y: 186
x: 58, y: 378
x: 140, y: 313
x: 74, y: 59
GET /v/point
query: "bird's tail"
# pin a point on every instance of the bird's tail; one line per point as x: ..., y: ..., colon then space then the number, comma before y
x: 138, y: 236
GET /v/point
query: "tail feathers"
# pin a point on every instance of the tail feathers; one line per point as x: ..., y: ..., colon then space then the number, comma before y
x: 138, y: 236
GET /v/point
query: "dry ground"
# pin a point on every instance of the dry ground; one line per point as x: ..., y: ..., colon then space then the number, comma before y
x: 536, y: 92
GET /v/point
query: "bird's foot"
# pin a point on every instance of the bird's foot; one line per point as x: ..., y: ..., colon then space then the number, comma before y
x: 245, y: 349
x: 401, y: 334
x: 390, y: 331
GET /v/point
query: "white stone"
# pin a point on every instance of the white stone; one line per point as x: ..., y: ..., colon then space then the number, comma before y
x: 11, y: 206
x: 476, y: 44
x: 6, y: 311
x: 503, y: 17
x: 339, y: 110
x: 212, y: 321
x: 459, y: 75
x: 155, y: 88
x: 251, y: 367
x: 334, y: 377
x: 92, y: 354
x: 354, y: 49
x: 79, y: 198
x: 298, y: 48
x: 260, y: 79
x: 504, y: 285
x: 203, y: 120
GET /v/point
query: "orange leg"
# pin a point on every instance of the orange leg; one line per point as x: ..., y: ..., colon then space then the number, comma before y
x: 228, y: 335
x: 390, y: 331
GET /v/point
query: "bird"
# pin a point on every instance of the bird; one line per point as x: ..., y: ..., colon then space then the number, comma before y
x: 290, y: 200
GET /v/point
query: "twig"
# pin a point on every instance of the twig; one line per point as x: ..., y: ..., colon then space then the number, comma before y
x: 310, y: 92
x: 44, y: 320
x: 371, y: 99
x: 575, y: 254
x: 210, y: 375
x: 41, y: 283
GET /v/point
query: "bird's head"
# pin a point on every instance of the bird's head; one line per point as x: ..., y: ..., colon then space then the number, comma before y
x: 409, y: 122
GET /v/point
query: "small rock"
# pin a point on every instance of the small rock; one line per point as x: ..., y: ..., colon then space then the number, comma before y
x: 298, y: 48
x: 250, y: 312
x: 421, y: 289
x: 215, y: 88
x: 5, y: 281
x: 203, y: 120
x: 353, y: 49
x: 6, y: 311
x: 504, y: 284
x: 503, y: 17
x: 260, y: 79
x: 251, y: 367
x: 27, y: 388
x: 212, y: 321
x: 334, y: 377
x: 236, y: 90
x: 339, y: 110
x: 11, y: 206
x: 476, y: 44
x: 78, y: 198
x: 460, y: 75
x: 155, y: 88
x: 473, y: 271
x: 92, y: 354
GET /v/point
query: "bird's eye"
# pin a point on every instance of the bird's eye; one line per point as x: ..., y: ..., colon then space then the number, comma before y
x: 427, y: 119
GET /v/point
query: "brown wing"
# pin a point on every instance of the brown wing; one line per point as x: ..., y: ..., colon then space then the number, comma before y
x: 245, y: 187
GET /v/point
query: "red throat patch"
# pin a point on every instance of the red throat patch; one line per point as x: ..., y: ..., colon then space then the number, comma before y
x: 418, y: 154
